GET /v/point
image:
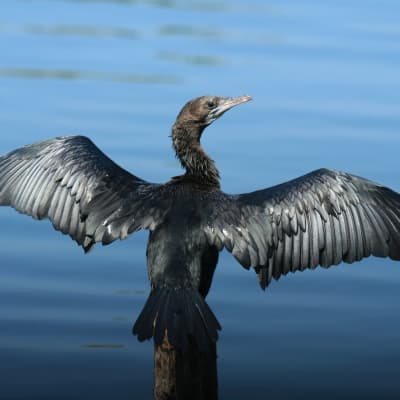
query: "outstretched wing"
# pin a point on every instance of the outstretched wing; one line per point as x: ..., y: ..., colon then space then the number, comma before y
x: 322, y: 218
x: 85, y: 194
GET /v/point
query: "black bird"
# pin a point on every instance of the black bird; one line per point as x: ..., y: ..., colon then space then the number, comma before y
x: 322, y: 218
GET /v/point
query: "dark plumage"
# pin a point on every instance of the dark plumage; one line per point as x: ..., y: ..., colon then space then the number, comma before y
x: 322, y: 218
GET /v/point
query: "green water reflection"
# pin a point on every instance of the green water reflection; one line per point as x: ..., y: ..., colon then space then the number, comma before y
x: 128, y: 292
x: 194, y: 59
x: 174, y: 4
x: 70, y: 74
x: 102, y: 346
x: 83, y: 30
x: 189, y: 30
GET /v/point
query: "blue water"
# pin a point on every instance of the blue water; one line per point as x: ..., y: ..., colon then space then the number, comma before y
x: 326, y: 86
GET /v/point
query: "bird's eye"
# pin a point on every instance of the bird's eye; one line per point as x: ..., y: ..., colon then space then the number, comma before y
x: 210, y: 104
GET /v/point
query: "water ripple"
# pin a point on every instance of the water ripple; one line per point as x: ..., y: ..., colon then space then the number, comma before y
x: 194, y: 59
x: 174, y: 4
x: 73, y: 30
x: 128, y: 292
x: 70, y: 74
x: 102, y: 346
x: 83, y: 30
x: 189, y: 30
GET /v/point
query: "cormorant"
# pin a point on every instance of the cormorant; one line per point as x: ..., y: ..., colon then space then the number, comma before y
x: 322, y: 218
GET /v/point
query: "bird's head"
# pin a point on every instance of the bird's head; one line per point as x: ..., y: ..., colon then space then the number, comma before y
x: 194, y: 117
x: 204, y: 110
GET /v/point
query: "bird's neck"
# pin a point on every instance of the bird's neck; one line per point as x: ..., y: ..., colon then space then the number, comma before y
x: 186, y: 143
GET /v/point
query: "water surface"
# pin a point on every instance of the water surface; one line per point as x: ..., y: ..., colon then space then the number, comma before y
x: 325, y: 82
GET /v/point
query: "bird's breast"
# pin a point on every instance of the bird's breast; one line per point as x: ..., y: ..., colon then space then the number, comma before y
x: 176, y: 246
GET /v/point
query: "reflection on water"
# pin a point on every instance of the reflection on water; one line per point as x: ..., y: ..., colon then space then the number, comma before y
x: 102, y: 346
x: 73, y: 30
x: 219, y: 6
x: 32, y: 73
x: 188, y: 30
x: 191, y: 59
x: 127, y: 292
x: 83, y: 30
x: 174, y: 4
x: 190, y: 5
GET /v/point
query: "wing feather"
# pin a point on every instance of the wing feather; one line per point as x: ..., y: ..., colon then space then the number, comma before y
x: 85, y: 194
x: 322, y: 218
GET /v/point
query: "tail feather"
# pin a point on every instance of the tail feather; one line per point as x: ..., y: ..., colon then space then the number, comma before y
x: 183, y: 314
x: 146, y: 325
x: 162, y: 321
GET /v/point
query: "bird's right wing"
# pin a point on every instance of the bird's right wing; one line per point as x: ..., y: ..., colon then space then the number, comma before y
x: 322, y: 218
x: 84, y: 193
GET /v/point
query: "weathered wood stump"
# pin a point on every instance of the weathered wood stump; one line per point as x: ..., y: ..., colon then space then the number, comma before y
x: 182, y: 376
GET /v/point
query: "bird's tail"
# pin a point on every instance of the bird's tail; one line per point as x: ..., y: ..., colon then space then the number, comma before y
x: 180, y: 313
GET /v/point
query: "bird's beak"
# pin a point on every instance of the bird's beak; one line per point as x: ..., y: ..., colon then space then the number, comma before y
x: 227, y: 103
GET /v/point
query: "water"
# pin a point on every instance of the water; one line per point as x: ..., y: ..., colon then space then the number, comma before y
x: 325, y: 82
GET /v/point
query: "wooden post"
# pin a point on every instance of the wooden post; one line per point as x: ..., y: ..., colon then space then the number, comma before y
x: 181, y: 376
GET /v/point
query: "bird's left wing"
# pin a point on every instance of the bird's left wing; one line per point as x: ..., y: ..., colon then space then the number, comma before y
x: 84, y: 193
x: 322, y: 218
